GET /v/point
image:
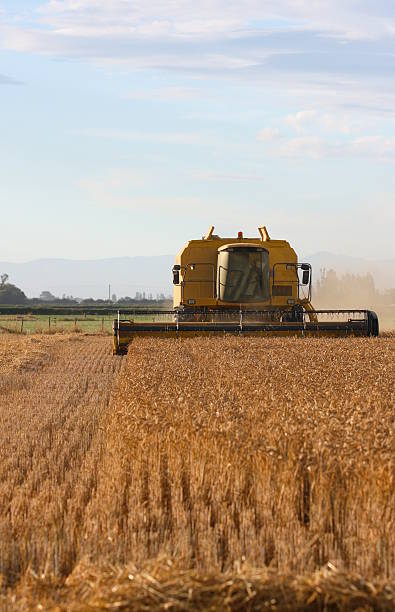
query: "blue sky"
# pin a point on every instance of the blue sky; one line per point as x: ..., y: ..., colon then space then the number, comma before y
x: 129, y: 127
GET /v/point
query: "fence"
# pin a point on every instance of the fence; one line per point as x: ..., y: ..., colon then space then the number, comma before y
x: 52, y: 324
x: 69, y: 322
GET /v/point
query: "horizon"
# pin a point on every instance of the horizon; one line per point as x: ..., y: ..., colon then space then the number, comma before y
x: 163, y: 255
x: 134, y: 126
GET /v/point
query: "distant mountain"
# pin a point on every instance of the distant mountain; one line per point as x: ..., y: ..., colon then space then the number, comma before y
x: 90, y: 278
x: 383, y: 272
x: 126, y: 275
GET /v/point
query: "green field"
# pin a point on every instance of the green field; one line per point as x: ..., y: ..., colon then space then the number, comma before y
x: 57, y: 323
x: 42, y: 323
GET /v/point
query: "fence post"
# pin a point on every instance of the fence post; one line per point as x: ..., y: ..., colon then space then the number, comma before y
x: 102, y: 324
x: 22, y: 326
x: 49, y: 322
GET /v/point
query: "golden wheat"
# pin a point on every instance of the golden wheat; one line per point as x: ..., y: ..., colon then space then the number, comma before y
x: 214, y: 455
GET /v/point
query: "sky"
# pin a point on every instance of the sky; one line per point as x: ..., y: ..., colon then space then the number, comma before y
x: 129, y: 127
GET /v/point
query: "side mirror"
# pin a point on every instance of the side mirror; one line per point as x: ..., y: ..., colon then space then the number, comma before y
x: 176, y: 274
x: 306, y: 274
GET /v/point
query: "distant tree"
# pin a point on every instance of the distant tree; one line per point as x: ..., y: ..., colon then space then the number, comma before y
x: 90, y: 301
x: 9, y: 294
x: 3, y: 278
x: 46, y: 296
x: 347, y: 291
x: 67, y: 300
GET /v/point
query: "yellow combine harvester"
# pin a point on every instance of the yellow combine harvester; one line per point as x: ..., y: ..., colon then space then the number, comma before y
x: 240, y: 285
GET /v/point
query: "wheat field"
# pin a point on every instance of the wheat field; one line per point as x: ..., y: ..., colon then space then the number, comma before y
x: 202, y: 473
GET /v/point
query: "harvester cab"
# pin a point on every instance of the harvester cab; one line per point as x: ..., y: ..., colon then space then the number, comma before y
x: 242, y: 286
x: 221, y: 274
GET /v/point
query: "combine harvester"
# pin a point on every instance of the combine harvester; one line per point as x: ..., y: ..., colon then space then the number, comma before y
x: 246, y: 286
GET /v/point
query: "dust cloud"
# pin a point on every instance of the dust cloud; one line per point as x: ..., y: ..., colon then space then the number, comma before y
x: 355, y: 292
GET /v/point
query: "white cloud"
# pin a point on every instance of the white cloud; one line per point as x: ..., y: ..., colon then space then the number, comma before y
x: 306, y: 120
x: 339, y: 123
x: 268, y: 134
x: 295, y: 48
x: 59, y: 25
x: 315, y: 147
x: 322, y: 134
x: 302, y: 147
x: 207, y: 17
x: 301, y: 119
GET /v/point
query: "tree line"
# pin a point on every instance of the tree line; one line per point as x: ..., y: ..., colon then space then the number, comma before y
x: 10, y: 294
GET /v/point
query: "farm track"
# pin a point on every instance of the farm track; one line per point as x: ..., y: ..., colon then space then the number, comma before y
x: 167, y: 478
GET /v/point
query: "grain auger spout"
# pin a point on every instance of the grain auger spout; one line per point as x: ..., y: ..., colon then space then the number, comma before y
x: 250, y: 286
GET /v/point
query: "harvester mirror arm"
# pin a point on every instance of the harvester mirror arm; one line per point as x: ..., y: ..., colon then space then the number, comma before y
x: 306, y: 276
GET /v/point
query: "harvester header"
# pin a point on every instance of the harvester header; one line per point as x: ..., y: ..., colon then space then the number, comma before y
x: 244, y: 286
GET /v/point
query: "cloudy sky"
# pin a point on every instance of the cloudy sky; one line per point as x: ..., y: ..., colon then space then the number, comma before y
x: 128, y: 127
